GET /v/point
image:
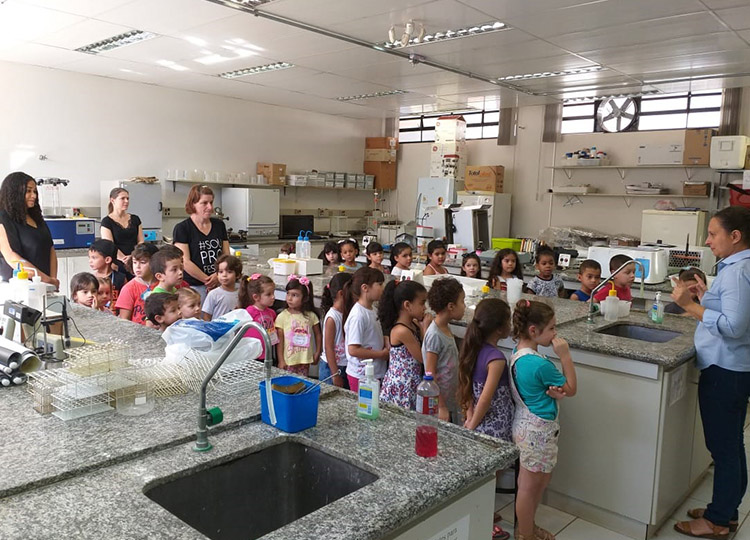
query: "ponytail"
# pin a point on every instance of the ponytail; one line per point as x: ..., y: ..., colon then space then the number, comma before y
x: 530, y: 313
x: 251, y: 285
x: 394, y: 295
x: 330, y: 291
x: 396, y: 250
x: 353, y: 288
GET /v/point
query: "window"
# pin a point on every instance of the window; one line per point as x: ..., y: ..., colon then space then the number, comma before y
x: 656, y: 112
x: 479, y: 125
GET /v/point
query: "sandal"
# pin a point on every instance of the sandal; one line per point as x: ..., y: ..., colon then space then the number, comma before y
x: 686, y: 528
x: 499, y: 534
x: 697, y: 513
x: 542, y: 534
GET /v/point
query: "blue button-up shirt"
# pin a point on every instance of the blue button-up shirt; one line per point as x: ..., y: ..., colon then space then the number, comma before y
x: 723, y: 338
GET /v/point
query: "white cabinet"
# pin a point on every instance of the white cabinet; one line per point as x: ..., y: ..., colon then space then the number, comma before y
x: 67, y: 267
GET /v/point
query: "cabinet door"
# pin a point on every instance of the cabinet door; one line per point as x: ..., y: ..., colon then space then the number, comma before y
x: 75, y: 265
x: 63, y: 276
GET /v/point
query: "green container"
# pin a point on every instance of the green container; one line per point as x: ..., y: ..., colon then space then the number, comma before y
x: 503, y: 243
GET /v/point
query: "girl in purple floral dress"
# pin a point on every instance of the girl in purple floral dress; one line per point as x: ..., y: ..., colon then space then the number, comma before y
x: 402, y: 314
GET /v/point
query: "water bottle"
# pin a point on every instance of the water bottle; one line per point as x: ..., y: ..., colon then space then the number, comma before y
x: 427, y: 408
x: 299, y: 245
x: 307, y: 246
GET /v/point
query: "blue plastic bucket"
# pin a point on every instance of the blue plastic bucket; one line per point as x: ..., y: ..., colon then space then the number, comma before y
x: 294, y: 412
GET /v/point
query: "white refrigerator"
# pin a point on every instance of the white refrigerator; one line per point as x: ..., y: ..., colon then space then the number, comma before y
x: 498, y: 213
x: 253, y: 210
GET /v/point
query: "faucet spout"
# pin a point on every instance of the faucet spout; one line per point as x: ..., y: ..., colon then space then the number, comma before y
x: 204, y: 418
x: 590, y: 316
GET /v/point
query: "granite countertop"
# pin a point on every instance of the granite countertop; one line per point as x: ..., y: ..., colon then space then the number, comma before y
x: 79, y: 508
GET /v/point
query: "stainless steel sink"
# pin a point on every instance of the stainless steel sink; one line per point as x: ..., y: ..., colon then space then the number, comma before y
x: 258, y: 493
x: 642, y: 333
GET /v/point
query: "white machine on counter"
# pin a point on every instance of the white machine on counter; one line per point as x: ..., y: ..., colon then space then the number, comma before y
x: 498, y: 210
x: 673, y: 227
x: 729, y: 152
x: 145, y: 202
x: 655, y: 261
x: 470, y: 227
x: 253, y: 210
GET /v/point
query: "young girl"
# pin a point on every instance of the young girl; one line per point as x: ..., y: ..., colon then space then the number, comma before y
x: 329, y: 254
x: 536, y: 386
x: 546, y: 282
x: 483, y: 392
x: 334, y: 349
x: 363, y: 335
x: 223, y: 298
x: 471, y: 266
x: 104, y: 294
x: 348, y: 249
x: 298, y: 326
x: 436, y: 253
x: 189, y: 301
x: 374, y: 254
x: 504, y: 266
x: 83, y: 289
x: 402, y: 314
x: 400, y: 258
x: 446, y: 298
x: 257, y: 296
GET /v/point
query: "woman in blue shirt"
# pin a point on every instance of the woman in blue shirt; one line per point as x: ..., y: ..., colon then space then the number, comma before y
x: 722, y: 344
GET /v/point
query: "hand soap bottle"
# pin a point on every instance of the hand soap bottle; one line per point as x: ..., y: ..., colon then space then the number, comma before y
x: 368, y: 405
x: 657, y: 310
x: 611, y: 305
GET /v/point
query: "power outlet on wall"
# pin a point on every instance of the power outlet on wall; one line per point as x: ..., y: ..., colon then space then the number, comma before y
x: 166, y: 212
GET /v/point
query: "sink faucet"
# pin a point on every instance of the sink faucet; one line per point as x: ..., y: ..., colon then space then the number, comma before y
x: 590, y: 317
x: 215, y: 416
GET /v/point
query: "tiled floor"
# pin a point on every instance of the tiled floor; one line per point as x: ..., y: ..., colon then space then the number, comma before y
x: 568, y: 527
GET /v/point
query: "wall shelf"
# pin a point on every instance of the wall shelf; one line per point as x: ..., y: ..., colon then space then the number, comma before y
x: 574, y: 198
x: 268, y: 186
x: 622, y: 169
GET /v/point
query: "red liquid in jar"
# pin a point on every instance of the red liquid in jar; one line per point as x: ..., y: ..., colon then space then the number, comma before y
x: 427, y: 441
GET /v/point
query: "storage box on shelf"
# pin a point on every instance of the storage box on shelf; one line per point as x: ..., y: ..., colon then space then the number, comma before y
x: 384, y: 174
x: 696, y: 189
x: 697, y: 146
x: 389, y: 143
x: 274, y: 173
x: 448, y: 160
x: 485, y: 178
x: 450, y: 129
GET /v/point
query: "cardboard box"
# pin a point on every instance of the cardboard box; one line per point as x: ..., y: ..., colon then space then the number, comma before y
x: 485, y: 178
x: 274, y: 173
x: 660, y: 154
x: 696, y: 189
x: 380, y: 154
x: 697, y: 146
x: 448, y: 166
x: 384, y: 173
x: 389, y: 143
x: 450, y: 129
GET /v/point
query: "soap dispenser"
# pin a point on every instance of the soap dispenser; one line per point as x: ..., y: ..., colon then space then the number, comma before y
x: 611, y: 305
x: 368, y: 405
x: 657, y: 309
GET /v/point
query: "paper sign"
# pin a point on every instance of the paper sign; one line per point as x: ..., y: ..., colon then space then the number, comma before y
x: 678, y: 384
x: 456, y: 531
x: 746, y: 180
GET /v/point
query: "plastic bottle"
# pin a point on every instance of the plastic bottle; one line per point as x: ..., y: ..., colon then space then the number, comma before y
x: 368, y: 393
x: 426, y: 444
x: 37, y: 292
x: 298, y: 246
x: 306, y: 246
x: 20, y: 285
x: 611, y: 305
x: 657, y: 310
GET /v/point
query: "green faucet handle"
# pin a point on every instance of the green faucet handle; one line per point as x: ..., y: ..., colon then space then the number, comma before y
x: 214, y: 416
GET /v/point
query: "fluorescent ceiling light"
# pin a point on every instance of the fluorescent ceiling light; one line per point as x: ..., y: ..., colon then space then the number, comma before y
x: 115, y: 42
x: 255, y: 70
x: 545, y: 74
x: 433, y: 37
x: 598, y: 97
x: 373, y: 95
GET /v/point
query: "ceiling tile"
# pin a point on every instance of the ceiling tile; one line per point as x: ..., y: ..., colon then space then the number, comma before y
x: 722, y: 4
x: 694, y: 63
x: 342, y: 60
x: 393, y: 72
x: 85, y: 8
x: 556, y: 84
x: 83, y: 33
x: 166, y: 16
x: 116, y: 68
x: 514, y: 8
x: 332, y: 86
x: 25, y: 22
x: 744, y: 34
x: 737, y: 18
x: 280, y: 77
x: 499, y: 41
x: 38, y: 55
x: 290, y: 45
x: 521, y: 67
x: 473, y: 59
x: 325, y: 13
x: 240, y: 26
x: 713, y: 83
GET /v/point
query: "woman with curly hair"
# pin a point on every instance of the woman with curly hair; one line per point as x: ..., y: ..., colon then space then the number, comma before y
x: 24, y: 235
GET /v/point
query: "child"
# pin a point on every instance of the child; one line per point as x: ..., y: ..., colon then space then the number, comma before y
x: 363, y: 334
x: 689, y: 277
x: 257, y: 295
x: 104, y: 295
x: 349, y: 249
x: 162, y: 309
x: 223, y: 298
x: 590, y: 275
x: 374, y: 254
x: 130, y: 302
x: 189, y: 302
x: 400, y: 258
x: 298, y: 324
x: 504, y: 266
x: 471, y: 266
x: 436, y: 253
x: 286, y: 248
x: 101, y: 256
x: 334, y: 349
x: 329, y: 254
x: 446, y: 299
x: 166, y: 265
x: 621, y: 281
x: 484, y: 393
x: 401, y: 311
x: 536, y: 386
x: 83, y: 288
x: 546, y: 283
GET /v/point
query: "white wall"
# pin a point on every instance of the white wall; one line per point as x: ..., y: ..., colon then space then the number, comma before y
x: 95, y: 128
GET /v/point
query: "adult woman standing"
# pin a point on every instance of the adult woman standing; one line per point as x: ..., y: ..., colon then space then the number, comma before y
x: 119, y: 226
x: 24, y: 236
x: 202, y: 240
x: 722, y: 344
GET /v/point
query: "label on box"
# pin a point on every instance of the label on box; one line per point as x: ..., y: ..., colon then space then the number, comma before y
x: 746, y: 180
